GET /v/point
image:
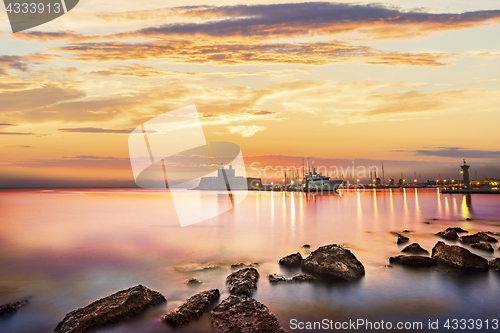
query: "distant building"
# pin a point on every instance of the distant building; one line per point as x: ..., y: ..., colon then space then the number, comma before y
x: 377, y: 181
x: 391, y: 181
x: 235, y: 183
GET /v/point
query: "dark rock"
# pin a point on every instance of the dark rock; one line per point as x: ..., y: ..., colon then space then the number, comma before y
x: 306, y: 246
x: 427, y: 222
x: 292, y: 260
x: 477, y: 238
x: 193, y: 308
x: 303, y: 277
x: 243, y: 281
x: 493, y: 233
x: 275, y: 278
x: 334, y: 262
x: 459, y: 257
x: 244, y: 315
x: 120, y: 306
x: 414, y: 248
x: 495, y: 264
x: 413, y: 261
x: 245, y: 264
x: 457, y: 229
x: 468, y: 219
x: 448, y: 234
x: 482, y: 246
x: 11, y: 308
x: 193, y: 281
x: 403, y: 239
x: 406, y: 231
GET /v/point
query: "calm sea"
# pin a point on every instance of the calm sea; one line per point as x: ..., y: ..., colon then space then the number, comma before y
x: 63, y: 249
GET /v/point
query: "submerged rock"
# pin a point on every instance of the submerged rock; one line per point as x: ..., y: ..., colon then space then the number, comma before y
x: 193, y: 281
x: 477, y: 238
x: 413, y: 261
x: 275, y: 278
x: 292, y: 260
x: 243, y: 281
x: 334, y: 262
x: 495, y: 264
x: 482, y: 246
x: 196, y: 267
x: 402, y: 239
x: 11, y: 308
x: 457, y: 229
x: 448, y: 234
x: 414, y: 248
x: 244, y: 315
x: 245, y: 264
x: 193, y: 308
x: 459, y: 257
x: 120, y: 306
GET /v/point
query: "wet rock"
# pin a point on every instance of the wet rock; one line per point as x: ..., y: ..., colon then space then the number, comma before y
x: 495, y: 264
x: 414, y: 248
x: 468, y: 219
x: 333, y: 262
x: 306, y: 246
x: 426, y: 222
x: 193, y: 281
x: 482, y: 246
x: 245, y: 315
x: 292, y: 260
x: 11, y: 308
x: 493, y: 233
x: 243, y: 281
x: 413, y: 261
x: 458, y: 257
x: 120, y: 306
x: 448, y: 234
x: 402, y: 239
x: 192, y: 309
x: 406, y: 231
x: 244, y: 264
x: 275, y: 278
x: 477, y: 238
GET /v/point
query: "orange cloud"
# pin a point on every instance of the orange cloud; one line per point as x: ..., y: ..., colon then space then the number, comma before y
x: 206, y: 51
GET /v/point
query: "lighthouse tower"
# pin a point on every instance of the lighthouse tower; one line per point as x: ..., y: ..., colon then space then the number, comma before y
x: 465, y: 172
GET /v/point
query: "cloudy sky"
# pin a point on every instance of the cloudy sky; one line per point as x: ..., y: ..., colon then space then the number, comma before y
x: 413, y: 84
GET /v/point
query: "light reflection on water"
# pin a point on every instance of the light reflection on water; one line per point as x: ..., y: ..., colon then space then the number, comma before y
x: 65, y: 249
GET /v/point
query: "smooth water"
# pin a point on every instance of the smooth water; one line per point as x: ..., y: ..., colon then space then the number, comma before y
x: 63, y: 249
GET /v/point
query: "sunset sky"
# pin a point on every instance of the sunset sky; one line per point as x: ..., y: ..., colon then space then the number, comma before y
x: 413, y: 84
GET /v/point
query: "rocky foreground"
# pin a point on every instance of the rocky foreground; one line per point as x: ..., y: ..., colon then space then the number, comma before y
x: 243, y: 314
x: 122, y: 305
